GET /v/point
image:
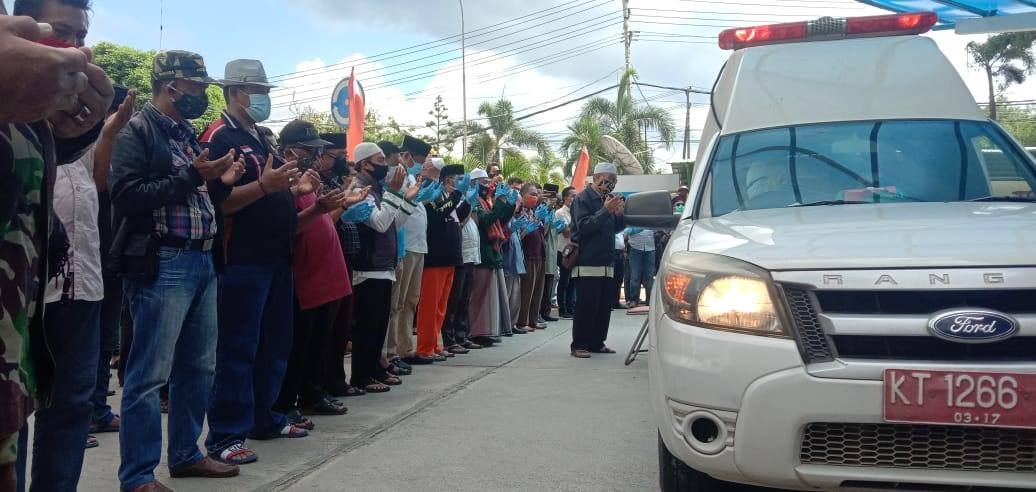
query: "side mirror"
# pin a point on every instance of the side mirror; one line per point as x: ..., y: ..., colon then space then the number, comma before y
x: 651, y: 210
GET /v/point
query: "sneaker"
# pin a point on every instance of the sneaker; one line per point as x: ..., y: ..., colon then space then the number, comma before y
x: 236, y: 454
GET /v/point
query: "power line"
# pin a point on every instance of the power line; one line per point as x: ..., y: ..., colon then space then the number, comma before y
x: 564, y: 29
x: 720, y: 12
x: 582, y: 50
x: 478, y: 61
x: 448, y: 39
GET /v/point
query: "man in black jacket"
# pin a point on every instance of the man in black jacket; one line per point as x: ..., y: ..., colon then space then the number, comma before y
x: 597, y: 217
x: 164, y: 190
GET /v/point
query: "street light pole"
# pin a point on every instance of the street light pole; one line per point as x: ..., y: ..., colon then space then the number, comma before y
x: 464, y: 81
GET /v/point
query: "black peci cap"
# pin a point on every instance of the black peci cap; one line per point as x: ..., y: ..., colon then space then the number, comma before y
x: 416, y: 146
x: 337, y: 140
x: 388, y: 148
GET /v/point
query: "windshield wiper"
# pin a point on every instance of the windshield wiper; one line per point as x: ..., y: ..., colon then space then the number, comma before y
x: 828, y: 202
x: 1005, y: 198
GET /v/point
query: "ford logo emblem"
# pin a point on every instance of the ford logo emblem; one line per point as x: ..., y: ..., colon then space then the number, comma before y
x: 972, y: 326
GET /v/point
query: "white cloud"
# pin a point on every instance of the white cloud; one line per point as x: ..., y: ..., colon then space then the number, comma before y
x: 664, y: 63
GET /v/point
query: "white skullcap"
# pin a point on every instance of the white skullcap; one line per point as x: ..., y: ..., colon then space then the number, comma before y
x: 438, y: 163
x: 606, y: 168
x: 366, y: 150
x: 479, y: 174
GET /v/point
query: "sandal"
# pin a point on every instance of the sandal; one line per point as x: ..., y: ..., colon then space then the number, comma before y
x: 376, y: 387
x: 390, y: 380
x: 292, y: 431
x: 91, y: 442
x: 581, y: 354
x: 236, y: 454
x: 398, y: 371
x: 457, y: 349
x: 295, y: 418
x: 604, y: 350
x: 349, y: 391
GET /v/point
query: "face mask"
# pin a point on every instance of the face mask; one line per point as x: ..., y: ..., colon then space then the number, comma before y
x: 483, y: 191
x: 341, y: 166
x: 259, y: 107
x: 607, y: 186
x: 190, y: 106
x: 379, y: 172
x: 303, y: 163
x: 530, y: 202
x: 414, y: 170
x: 426, y: 183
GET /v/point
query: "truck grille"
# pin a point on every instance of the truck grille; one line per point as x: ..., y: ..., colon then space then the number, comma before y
x: 812, y: 339
x: 817, y: 346
x: 920, y: 447
x: 931, y: 348
x: 925, y: 301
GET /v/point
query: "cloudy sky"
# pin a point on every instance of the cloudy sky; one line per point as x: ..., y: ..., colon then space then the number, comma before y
x: 536, y: 53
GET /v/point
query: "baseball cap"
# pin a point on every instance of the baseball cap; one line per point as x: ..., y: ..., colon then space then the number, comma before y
x: 180, y: 65
x: 302, y: 132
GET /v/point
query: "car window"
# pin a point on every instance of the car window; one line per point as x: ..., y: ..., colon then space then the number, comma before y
x: 871, y: 161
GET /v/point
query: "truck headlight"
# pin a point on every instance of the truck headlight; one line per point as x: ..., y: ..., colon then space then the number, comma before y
x: 720, y: 292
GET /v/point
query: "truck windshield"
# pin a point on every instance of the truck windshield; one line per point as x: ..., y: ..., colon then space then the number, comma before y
x: 866, y: 162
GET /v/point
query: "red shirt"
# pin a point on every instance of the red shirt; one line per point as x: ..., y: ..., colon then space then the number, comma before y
x: 320, y: 272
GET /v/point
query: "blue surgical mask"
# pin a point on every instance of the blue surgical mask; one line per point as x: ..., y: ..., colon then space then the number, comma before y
x: 415, y: 169
x: 259, y: 107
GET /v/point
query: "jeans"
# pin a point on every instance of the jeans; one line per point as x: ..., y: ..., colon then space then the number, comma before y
x: 642, y: 271
x: 255, y: 334
x: 71, y: 330
x: 174, y: 341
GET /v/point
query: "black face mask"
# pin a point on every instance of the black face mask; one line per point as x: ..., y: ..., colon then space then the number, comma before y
x: 191, y: 106
x: 483, y: 191
x: 607, y: 186
x: 340, y: 167
x: 379, y: 172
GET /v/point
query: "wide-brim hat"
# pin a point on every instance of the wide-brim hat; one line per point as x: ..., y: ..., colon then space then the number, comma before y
x: 245, y: 72
x: 180, y: 65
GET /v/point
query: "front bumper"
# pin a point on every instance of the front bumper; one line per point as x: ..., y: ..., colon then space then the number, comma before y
x: 760, y: 391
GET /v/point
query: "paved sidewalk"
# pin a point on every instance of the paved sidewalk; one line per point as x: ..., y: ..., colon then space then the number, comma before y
x: 523, y: 415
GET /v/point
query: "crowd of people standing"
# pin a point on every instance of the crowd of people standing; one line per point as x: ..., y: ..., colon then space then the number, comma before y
x: 229, y: 268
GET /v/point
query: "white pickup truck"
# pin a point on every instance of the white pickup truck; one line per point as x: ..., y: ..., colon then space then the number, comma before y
x: 849, y: 298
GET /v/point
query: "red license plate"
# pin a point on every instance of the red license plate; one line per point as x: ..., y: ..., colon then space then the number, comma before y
x: 989, y: 399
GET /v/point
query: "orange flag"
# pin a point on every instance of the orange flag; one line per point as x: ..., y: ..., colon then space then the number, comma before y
x: 582, y: 168
x: 357, y: 114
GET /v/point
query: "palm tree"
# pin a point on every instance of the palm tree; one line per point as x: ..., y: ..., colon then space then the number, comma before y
x: 502, y: 131
x: 1006, y: 58
x: 625, y: 120
x: 585, y: 132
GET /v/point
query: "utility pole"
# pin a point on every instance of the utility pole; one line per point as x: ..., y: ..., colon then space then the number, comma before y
x: 464, y: 81
x: 687, y: 118
x: 687, y: 129
x: 627, y: 36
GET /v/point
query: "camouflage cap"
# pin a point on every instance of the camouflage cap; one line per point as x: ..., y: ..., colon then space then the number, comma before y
x: 180, y: 65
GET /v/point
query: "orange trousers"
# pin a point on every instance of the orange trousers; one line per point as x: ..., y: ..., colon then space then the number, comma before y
x: 436, y: 283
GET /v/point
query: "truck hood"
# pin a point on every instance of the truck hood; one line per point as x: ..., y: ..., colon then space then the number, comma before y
x: 900, y: 235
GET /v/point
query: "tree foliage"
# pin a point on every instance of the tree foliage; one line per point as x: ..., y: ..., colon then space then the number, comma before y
x: 1006, y: 59
x: 583, y: 132
x: 131, y: 67
x: 626, y: 121
x: 440, y: 126
x: 1020, y: 121
x: 501, y: 131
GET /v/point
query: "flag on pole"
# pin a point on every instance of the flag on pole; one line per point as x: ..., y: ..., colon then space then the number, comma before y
x: 357, y: 114
x: 582, y: 168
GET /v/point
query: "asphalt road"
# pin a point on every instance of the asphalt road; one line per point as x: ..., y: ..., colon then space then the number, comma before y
x: 520, y: 416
